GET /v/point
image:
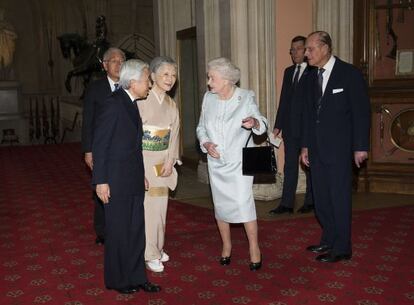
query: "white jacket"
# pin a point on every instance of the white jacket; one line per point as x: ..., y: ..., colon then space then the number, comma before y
x: 221, y: 123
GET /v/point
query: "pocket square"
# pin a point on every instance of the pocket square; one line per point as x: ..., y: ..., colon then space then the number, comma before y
x: 334, y: 91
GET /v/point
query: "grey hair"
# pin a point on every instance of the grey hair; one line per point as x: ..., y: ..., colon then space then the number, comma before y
x: 225, y: 68
x: 131, y: 70
x: 323, y: 38
x: 157, y: 62
x: 108, y: 53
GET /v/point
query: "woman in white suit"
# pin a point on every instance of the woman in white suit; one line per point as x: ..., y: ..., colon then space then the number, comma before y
x: 228, y: 116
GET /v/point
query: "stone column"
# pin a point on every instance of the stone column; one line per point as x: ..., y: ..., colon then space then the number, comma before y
x: 252, y: 31
x: 165, y: 28
x: 336, y: 18
x: 253, y: 49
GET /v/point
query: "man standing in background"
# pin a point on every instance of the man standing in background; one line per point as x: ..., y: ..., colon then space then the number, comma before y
x: 289, y: 121
x: 97, y: 92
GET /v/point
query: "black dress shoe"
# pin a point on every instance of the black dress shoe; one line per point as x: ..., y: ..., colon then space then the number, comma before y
x: 281, y: 210
x: 305, y: 209
x: 124, y: 290
x: 99, y: 240
x: 225, y: 260
x: 256, y: 266
x: 319, y: 248
x: 148, y: 287
x: 333, y: 258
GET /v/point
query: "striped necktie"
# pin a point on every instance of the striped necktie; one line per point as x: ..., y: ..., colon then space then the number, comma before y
x: 320, y: 90
x: 320, y: 82
x: 296, y: 77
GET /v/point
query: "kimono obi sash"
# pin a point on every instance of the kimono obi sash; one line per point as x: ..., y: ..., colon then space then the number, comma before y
x: 155, y: 138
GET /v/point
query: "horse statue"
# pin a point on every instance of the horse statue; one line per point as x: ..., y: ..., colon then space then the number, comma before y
x: 86, y: 58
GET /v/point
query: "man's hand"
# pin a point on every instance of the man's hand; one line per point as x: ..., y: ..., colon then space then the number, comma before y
x: 359, y: 157
x: 167, y: 168
x: 89, y: 160
x: 103, y: 192
x: 304, y: 156
x: 276, y: 131
x: 146, y: 184
x: 211, y: 149
x: 250, y: 122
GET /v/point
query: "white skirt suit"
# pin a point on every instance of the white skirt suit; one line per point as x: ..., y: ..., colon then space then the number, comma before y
x: 220, y: 123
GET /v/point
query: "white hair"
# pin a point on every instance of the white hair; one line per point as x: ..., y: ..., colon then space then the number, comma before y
x: 131, y: 70
x: 225, y: 68
x: 108, y: 53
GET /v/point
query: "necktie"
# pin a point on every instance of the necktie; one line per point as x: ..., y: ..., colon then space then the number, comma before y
x: 296, y: 77
x: 116, y: 85
x: 320, y: 90
x: 320, y: 82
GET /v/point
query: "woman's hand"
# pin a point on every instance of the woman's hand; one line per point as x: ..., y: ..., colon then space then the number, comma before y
x: 304, y: 156
x: 211, y: 149
x: 146, y: 184
x: 250, y: 123
x: 167, y: 168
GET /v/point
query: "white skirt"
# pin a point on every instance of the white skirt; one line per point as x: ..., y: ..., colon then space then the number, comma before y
x: 232, y: 192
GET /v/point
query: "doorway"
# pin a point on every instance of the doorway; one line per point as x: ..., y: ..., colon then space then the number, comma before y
x: 188, y: 95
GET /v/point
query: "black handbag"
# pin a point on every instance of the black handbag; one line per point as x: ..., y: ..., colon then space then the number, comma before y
x: 260, y: 162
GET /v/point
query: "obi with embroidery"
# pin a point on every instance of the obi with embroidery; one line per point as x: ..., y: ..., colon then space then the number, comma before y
x: 155, y: 138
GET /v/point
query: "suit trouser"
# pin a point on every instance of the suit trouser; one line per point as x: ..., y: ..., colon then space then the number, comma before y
x: 124, y: 264
x: 291, y: 171
x: 155, y: 218
x: 99, y: 217
x: 332, y: 194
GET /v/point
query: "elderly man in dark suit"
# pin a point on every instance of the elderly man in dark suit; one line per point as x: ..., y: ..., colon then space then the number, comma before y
x: 118, y: 175
x: 97, y: 92
x: 289, y: 122
x: 337, y: 130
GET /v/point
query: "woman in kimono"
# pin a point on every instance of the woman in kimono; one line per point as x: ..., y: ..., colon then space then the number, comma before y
x: 160, y: 143
x: 228, y: 116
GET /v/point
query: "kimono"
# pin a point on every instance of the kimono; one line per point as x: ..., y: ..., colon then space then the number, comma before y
x: 160, y: 143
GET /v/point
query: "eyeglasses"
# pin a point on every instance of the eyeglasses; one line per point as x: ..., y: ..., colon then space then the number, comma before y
x: 115, y: 61
x: 295, y: 50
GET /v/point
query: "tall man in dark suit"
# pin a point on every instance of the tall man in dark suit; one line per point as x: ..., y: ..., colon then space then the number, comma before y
x: 119, y: 177
x: 337, y: 130
x: 289, y: 121
x: 97, y: 92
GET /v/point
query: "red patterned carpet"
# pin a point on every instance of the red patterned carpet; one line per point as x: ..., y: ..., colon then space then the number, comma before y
x: 48, y: 255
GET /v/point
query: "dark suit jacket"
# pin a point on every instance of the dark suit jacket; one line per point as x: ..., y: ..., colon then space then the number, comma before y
x: 97, y: 91
x: 289, y: 114
x: 343, y: 124
x: 117, y: 146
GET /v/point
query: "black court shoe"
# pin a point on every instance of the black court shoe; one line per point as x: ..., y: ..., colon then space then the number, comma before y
x: 256, y: 266
x: 225, y: 260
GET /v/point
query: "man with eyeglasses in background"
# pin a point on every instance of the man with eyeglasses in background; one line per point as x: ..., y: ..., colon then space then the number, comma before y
x: 98, y: 91
x: 289, y: 123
